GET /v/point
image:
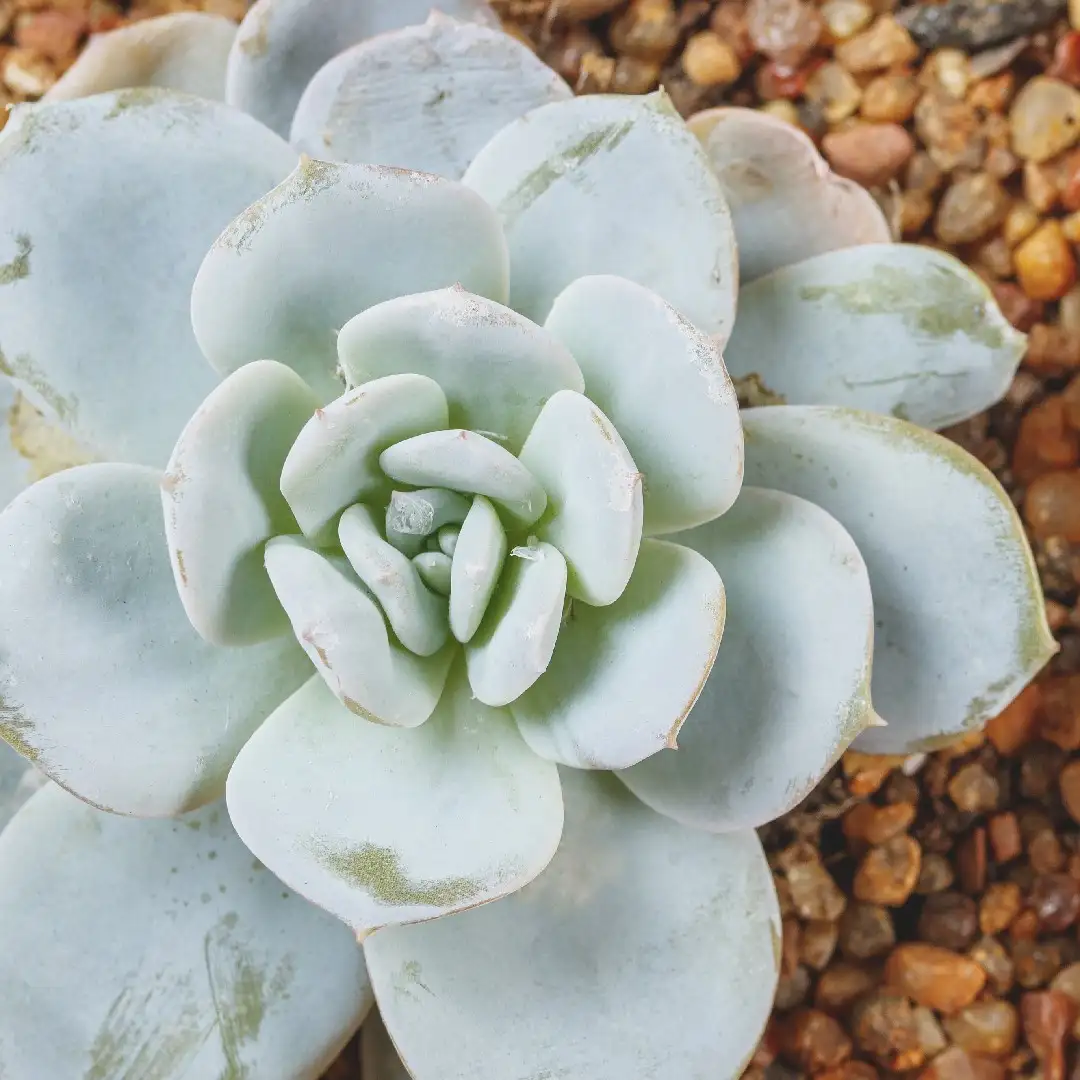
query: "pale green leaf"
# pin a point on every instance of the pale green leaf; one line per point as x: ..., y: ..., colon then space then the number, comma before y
x: 623, y: 678
x: 600, y: 185
x: 343, y: 631
x: 335, y: 459
x: 416, y: 615
x: 644, y: 950
x: 185, y: 50
x: 107, y: 206
x: 327, y: 243
x: 594, y: 488
x: 901, y: 329
x: 479, y: 555
x: 425, y: 97
x: 381, y: 825
x: 283, y: 43
x: 222, y: 501
x: 960, y: 621
x: 470, y: 463
x: 786, y: 203
x: 513, y: 646
x: 103, y: 682
x: 664, y: 385
x: 496, y: 367
x: 791, y: 685
x: 160, y: 950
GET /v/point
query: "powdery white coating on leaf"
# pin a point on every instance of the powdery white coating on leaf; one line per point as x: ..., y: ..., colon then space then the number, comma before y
x: 381, y: 826
x: 623, y: 678
x: 790, y: 687
x: 496, y: 367
x: 513, y: 647
x: 14, y: 468
x: 786, y: 203
x: 664, y: 385
x: 185, y: 51
x: 103, y: 682
x: 341, y: 628
x: 479, y: 556
x: 645, y: 949
x: 222, y: 501
x: 334, y: 461
x: 424, y: 97
x: 466, y: 462
x: 95, y: 328
x: 577, y: 185
x: 960, y: 621
x: 327, y: 243
x: 161, y: 950
x: 594, y: 489
x: 283, y: 43
x: 899, y: 329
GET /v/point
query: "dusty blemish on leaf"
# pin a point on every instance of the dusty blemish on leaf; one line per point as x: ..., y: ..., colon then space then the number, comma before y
x: 22, y: 369
x: 240, y: 992
x: 19, y: 267
x: 601, y: 141
x: 935, y: 302
x: 180, y: 568
x: 17, y: 730
x: 47, y: 448
x: 308, y: 179
x: 150, y: 1035
x: 256, y: 43
x: 377, y: 870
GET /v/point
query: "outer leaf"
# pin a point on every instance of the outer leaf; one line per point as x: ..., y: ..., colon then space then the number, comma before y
x: 159, y: 949
x: 624, y: 678
x: 645, y: 949
x: 185, y: 51
x: 961, y: 625
x: 222, y: 501
x: 328, y: 242
x: 424, y: 97
x: 513, y: 646
x: 786, y: 202
x: 381, y: 826
x: 283, y: 43
x: 664, y: 385
x: 598, y: 162
x: 496, y: 368
x: 344, y: 633
x: 103, y: 682
x: 594, y: 488
x: 791, y: 684
x: 334, y: 461
x: 94, y: 296
x: 893, y: 328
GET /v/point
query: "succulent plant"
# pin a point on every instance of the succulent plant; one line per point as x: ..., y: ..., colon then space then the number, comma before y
x: 459, y: 573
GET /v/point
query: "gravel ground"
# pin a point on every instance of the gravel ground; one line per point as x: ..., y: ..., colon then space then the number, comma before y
x: 930, y: 904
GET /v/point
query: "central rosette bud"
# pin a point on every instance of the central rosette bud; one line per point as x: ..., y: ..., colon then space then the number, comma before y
x: 387, y: 538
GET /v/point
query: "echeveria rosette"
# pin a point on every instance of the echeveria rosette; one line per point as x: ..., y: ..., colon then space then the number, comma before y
x: 560, y: 237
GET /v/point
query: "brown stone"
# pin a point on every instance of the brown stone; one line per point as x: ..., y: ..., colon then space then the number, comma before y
x: 935, y: 977
x: 1069, y: 786
x: 813, y: 1040
x: 1047, y: 1018
x: 1004, y: 835
x: 955, y: 1063
x: 869, y: 154
x: 866, y: 931
x: 885, y: 1027
x: 949, y: 919
x: 1044, y: 442
x: 1055, y: 899
x: 973, y: 789
x: 876, y: 824
x: 884, y: 44
x: 970, y: 209
x: 1045, y: 264
x: 818, y: 944
x: 985, y: 1027
x: 841, y: 984
x: 888, y: 873
x: 971, y: 861
x: 998, y: 906
x: 1015, y: 726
